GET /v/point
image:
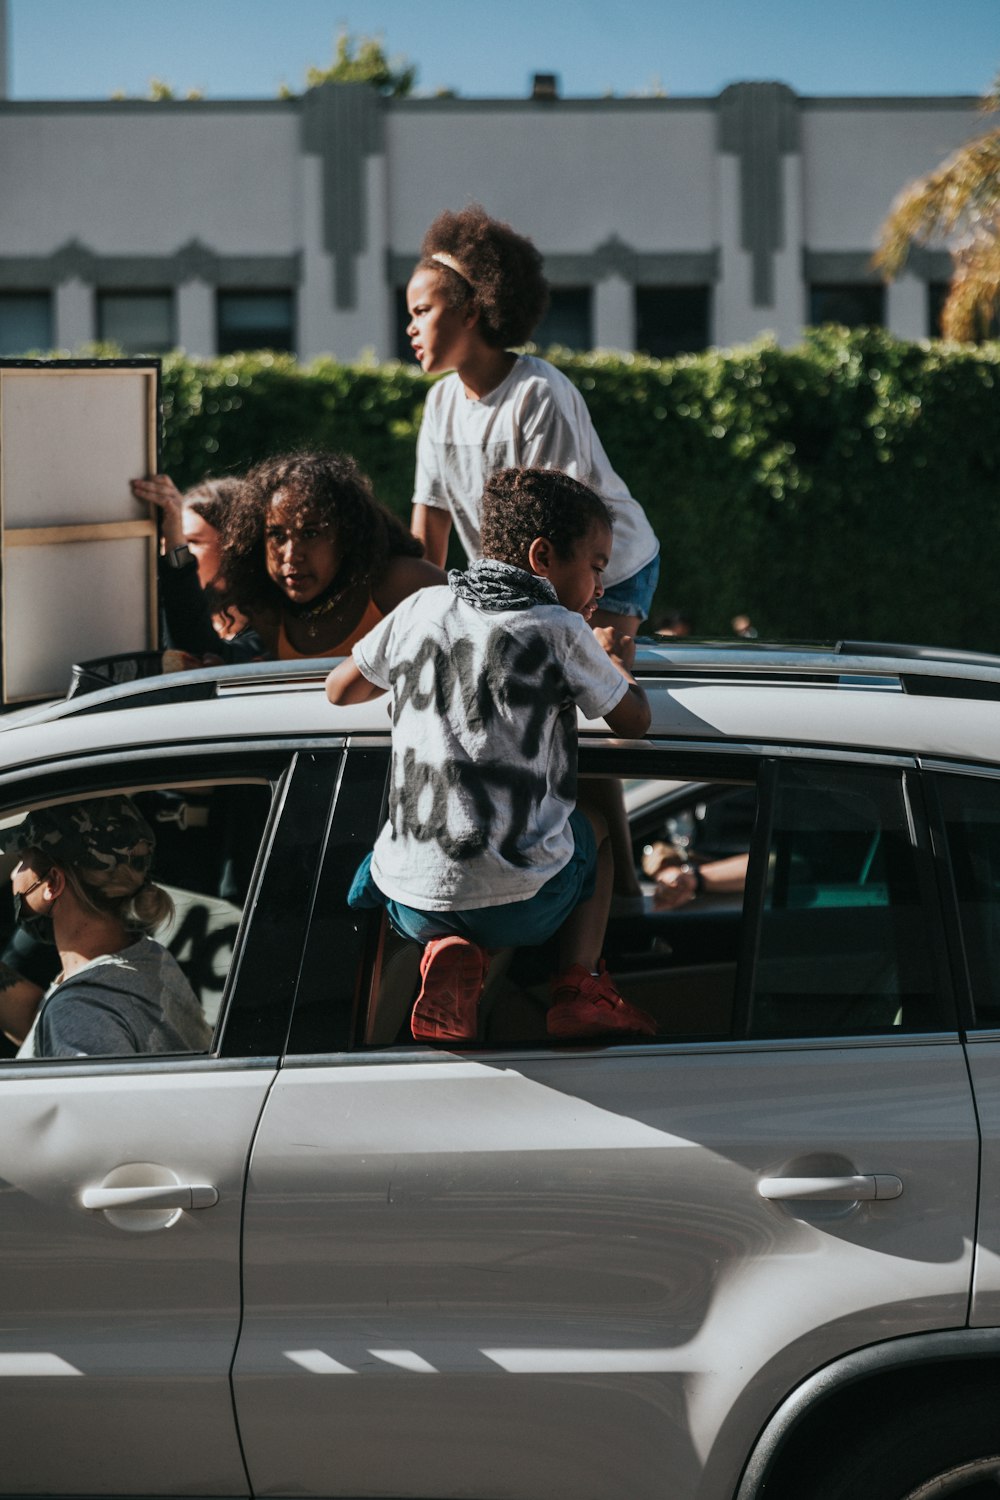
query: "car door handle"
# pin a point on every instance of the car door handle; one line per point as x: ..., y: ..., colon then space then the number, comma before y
x: 170, y: 1195
x: 847, y: 1189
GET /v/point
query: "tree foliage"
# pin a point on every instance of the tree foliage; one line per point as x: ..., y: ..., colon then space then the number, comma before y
x: 363, y: 60
x: 843, y: 488
x: 159, y: 90
x: 959, y: 200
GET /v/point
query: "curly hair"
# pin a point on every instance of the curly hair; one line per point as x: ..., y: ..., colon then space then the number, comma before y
x: 521, y: 504
x: 332, y: 487
x: 213, y: 498
x: 501, y: 273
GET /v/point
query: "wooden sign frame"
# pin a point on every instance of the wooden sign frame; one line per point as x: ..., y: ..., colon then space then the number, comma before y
x: 78, y: 559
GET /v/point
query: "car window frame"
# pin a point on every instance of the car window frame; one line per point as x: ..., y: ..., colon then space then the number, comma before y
x: 283, y: 853
x: 355, y: 813
x: 932, y: 772
x: 747, y: 762
x: 923, y: 843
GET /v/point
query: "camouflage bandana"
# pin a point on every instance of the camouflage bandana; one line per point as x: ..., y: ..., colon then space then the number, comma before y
x: 492, y: 585
x: 102, y: 839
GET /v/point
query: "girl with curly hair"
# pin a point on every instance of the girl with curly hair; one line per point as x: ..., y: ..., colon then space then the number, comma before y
x: 313, y: 559
x: 476, y: 292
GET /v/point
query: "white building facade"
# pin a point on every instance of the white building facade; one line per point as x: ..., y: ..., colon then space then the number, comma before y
x: 667, y: 225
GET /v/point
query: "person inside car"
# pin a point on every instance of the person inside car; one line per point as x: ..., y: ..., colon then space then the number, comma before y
x: 82, y: 883
x: 484, y: 847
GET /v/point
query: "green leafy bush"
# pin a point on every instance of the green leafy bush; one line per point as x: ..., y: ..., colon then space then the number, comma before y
x: 844, y: 488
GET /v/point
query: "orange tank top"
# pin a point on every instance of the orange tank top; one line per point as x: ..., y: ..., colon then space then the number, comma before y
x: 287, y: 652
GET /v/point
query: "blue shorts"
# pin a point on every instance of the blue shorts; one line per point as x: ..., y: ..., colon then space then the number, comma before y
x: 633, y: 596
x: 520, y: 924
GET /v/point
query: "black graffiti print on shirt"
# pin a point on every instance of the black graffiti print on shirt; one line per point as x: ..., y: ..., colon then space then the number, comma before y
x: 516, y: 673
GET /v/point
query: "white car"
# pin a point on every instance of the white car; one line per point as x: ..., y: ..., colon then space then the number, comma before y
x: 755, y: 1257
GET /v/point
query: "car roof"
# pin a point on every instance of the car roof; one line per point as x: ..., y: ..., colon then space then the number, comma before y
x: 848, y: 696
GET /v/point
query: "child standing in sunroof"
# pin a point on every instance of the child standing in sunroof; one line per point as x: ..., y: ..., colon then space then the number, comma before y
x: 477, y: 292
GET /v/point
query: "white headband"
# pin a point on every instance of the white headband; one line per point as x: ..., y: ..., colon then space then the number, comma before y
x: 444, y: 259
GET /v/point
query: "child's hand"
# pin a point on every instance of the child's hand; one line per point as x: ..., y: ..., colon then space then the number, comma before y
x: 615, y: 642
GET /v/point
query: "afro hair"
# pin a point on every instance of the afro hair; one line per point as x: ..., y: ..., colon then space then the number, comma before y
x: 500, y: 273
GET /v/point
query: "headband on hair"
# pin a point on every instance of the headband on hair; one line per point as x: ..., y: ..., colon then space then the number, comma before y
x: 444, y: 259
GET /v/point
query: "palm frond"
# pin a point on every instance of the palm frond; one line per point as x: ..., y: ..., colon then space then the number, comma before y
x: 973, y: 302
x: 961, y: 197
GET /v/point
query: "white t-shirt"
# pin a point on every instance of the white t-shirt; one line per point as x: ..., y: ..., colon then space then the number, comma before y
x: 535, y: 419
x: 483, y: 773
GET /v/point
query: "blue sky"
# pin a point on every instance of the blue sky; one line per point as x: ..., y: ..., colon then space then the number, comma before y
x: 248, y: 48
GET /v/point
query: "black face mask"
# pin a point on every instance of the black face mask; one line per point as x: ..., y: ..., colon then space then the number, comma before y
x: 37, y: 925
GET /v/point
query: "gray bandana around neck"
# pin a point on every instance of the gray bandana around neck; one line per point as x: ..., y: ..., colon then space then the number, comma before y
x: 492, y: 586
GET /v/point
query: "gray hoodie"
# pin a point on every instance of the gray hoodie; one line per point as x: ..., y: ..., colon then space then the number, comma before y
x: 135, y: 1001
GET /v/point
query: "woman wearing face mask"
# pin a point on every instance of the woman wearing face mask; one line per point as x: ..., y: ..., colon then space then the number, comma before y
x: 82, y: 883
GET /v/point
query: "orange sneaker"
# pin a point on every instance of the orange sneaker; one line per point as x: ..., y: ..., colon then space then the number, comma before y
x: 447, y: 1008
x: 589, y: 1005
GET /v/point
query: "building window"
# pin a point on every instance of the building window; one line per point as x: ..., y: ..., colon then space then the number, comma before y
x: 937, y: 295
x: 569, y: 320
x: 25, y: 323
x: 255, y: 320
x: 401, y: 318
x: 937, y: 292
x: 138, y: 322
x: 672, y: 320
x: 854, y: 304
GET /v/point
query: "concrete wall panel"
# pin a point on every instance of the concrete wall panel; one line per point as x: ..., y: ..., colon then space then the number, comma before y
x: 570, y: 178
x: 857, y: 159
x: 144, y: 183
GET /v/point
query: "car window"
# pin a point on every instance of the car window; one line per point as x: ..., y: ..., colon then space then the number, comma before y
x: 971, y: 811
x: 815, y: 914
x: 672, y: 949
x: 847, y: 918
x: 162, y: 991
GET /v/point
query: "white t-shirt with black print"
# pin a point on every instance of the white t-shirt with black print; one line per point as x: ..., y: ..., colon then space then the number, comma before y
x: 535, y: 419
x: 484, y: 739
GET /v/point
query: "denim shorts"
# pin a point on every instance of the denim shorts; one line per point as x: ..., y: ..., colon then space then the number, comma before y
x: 633, y: 596
x: 519, y: 924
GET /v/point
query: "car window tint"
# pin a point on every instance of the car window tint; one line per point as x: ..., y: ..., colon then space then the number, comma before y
x: 843, y: 943
x: 207, y: 839
x: 971, y: 809
x: 206, y: 842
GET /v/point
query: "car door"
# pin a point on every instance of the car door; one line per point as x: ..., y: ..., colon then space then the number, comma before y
x: 597, y: 1269
x: 122, y: 1183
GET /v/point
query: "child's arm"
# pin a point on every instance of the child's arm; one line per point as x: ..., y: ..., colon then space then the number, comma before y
x: 432, y: 526
x: 348, y: 684
x: 630, y: 717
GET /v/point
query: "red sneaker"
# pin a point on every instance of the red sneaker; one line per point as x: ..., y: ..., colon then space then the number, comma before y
x: 447, y: 1008
x: 589, y: 1005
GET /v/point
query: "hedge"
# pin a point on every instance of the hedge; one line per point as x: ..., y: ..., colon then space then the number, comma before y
x: 844, y: 488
